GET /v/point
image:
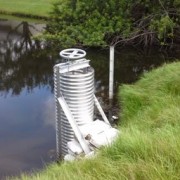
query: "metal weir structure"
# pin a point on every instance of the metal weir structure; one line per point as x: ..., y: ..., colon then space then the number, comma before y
x: 75, y: 100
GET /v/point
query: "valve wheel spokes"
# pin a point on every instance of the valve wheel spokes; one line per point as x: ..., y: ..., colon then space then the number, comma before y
x: 72, y: 53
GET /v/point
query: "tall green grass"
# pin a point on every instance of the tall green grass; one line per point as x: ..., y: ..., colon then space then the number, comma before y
x: 149, y: 145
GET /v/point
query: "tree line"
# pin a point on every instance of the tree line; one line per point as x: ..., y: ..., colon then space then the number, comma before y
x: 114, y: 22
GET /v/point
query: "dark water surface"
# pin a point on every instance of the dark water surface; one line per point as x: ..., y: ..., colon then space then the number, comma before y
x: 27, y: 131
x: 27, y: 124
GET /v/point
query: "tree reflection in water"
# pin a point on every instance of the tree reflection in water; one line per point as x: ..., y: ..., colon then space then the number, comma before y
x: 24, y: 63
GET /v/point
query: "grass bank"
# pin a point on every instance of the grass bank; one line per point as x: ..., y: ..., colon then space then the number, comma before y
x: 27, y: 8
x: 149, y: 145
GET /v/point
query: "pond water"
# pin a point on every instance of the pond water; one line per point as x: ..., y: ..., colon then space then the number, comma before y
x: 27, y: 130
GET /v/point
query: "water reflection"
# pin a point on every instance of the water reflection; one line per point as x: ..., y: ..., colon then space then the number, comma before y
x: 129, y: 65
x: 30, y: 71
x: 23, y: 62
x: 26, y: 137
x: 25, y: 42
x: 26, y: 100
x: 16, y: 38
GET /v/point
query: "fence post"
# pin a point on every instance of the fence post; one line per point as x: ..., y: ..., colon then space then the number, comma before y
x: 111, y: 72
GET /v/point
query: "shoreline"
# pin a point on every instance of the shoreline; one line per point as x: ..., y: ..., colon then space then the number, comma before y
x: 23, y: 15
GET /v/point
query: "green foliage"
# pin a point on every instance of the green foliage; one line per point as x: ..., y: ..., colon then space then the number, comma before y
x: 163, y: 25
x: 153, y: 101
x: 87, y: 22
x: 100, y: 23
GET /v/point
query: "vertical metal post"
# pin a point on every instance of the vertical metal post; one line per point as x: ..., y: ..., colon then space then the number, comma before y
x: 58, y: 109
x: 111, y: 72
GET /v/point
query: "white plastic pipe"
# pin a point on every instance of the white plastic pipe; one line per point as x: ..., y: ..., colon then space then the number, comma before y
x: 111, y: 72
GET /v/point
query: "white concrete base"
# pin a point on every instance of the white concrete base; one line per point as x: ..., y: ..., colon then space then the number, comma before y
x: 97, y: 134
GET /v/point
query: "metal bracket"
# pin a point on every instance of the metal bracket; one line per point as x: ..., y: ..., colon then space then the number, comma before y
x: 73, y: 124
x: 72, y: 66
x: 101, y: 110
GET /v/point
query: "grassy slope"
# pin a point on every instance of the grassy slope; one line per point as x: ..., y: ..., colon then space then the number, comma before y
x: 32, y: 7
x: 149, y: 146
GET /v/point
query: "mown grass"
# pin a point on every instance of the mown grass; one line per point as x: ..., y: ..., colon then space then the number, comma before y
x: 39, y: 8
x: 23, y: 18
x: 149, y: 145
